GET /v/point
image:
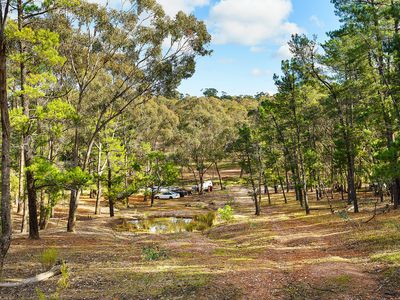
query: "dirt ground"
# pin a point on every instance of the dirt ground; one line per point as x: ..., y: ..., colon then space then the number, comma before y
x: 282, y: 254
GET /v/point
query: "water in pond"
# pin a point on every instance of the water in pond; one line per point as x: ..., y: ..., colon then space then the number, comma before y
x: 162, y: 225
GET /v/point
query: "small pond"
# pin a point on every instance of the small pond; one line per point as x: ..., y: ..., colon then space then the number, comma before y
x: 162, y: 225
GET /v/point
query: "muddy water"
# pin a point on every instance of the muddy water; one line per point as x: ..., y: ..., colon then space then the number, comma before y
x: 162, y: 225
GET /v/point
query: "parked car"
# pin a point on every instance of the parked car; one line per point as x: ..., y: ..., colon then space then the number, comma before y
x: 167, y: 195
x: 181, y: 192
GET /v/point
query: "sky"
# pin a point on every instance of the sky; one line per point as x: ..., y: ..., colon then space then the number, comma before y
x: 249, y: 39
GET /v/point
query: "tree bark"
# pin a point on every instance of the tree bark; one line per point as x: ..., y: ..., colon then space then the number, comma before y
x: 21, y: 177
x: 24, y: 216
x: 109, y: 186
x: 219, y: 176
x: 6, y: 225
x: 97, y: 210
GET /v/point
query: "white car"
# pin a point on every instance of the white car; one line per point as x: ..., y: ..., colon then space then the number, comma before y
x: 167, y: 195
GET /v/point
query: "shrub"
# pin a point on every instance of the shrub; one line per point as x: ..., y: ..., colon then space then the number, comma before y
x: 152, y: 253
x: 190, y: 227
x: 49, y: 257
x: 63, y: 282
x: 207, y: 219
x: 226, y: 213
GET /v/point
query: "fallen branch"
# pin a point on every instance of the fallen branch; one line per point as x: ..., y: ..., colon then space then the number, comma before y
x: 54, y: 271
x: 376, y: 213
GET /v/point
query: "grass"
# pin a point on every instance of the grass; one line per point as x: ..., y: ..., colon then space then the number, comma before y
x: 151, y: 253
x: 48, y: 257
x: 379, y: 235
x: 342, y: 281
x: 391, y: 258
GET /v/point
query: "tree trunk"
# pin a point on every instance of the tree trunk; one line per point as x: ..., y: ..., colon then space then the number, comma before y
x: 109, y: 186
x: 152, y: 198
x: 42, y: 209
x: 267, y: 190
x: 283, y: 188
x: 219, y: 176
x: 75, y: 193
x: 97, y: 210
x: 24, y: 222
x: 21, y: 177
x: 351, y: 183
x: 73, y: 206
x: 201, y: 176
x: 32, y: 208
x: 6, y: 225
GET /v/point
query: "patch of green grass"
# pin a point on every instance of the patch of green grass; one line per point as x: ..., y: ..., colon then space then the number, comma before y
x: 391, y: 258
x: 378, y: 239
x: 159, y: 285
x: 341, y: 280
x: 325, y: 260
x: 201, y: 222
x: 152, y: 253
x: 49, y: 257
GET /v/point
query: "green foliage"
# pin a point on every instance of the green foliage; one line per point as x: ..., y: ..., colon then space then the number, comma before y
x: 49, y: 257
x: 153, y: 253
x: 207, y: 219
x: 201, y: 222
x: 226, y: 213
x: 392, y: 258
x: 40, y: 295
x: 63, y: 282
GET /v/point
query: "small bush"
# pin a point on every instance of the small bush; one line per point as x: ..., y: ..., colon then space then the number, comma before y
x: 152, y: 253
x: 63, y: 282
x: 207, y: 219
x: 226, y: 213
x: 190, y: 227
x: 49, y: 257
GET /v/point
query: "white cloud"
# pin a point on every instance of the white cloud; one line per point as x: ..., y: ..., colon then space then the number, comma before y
x: 171, y: 7
x: 251, y: 22
x: 317, y: 21
x: 256, y: 72
x: 284, y: 52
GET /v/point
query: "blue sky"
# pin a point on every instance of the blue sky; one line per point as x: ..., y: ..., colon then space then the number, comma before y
x: 249, y: 39
x: 240, y: 68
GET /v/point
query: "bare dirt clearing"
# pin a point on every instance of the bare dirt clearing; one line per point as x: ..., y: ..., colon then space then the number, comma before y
x: 281, y: 255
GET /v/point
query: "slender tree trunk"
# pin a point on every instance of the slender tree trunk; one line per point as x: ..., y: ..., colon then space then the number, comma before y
x: 287, y: 181
x: 6, y: 225
x: 201, y: 176
x: 42, y: 215
x: 21, y: 177
x: 219, y: 176
x: 97, y: 210
x: 253, y: 185
x: 152, y: 197
x: 24, y: 227
x: 351, y: 183
x: 267, y: 190
x: 75, y: 193
x: 109, y: 186
x: 283, y: 188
